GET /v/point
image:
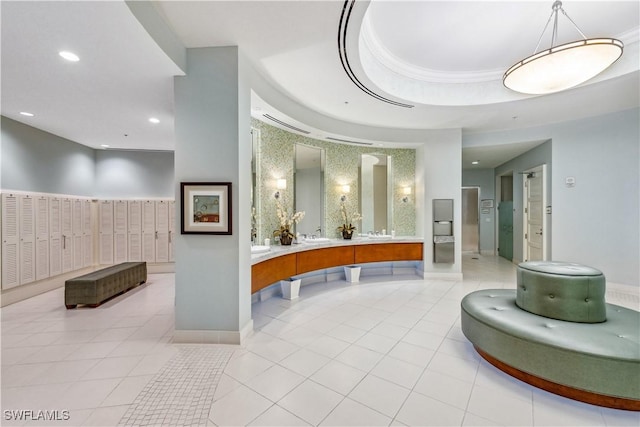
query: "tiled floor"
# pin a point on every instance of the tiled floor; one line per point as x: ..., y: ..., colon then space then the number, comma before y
x: 375, y: 353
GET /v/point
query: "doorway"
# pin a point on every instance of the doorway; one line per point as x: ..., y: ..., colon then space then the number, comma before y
x: 534, y: 219
x: 505, y: 217
x: 470, y: 219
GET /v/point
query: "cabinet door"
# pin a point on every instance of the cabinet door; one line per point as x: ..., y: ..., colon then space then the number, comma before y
x: 162, y: 231
x: 55, y: 236
x: 172, y: 228
x: 120, y: 214
x: 87, y: 233
x: 135, y: 230
x: 27, y: 239
x: 67, y: 235
x: 10, y: 239
x: 105, y: 232
x: 77, y: 222
x: 42, y: 237
x: 148, y: 231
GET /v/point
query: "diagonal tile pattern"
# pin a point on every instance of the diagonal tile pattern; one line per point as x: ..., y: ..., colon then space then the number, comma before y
x: 381, y: 352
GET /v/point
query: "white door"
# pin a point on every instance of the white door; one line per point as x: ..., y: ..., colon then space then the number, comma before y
x: 55, y: 236
x: 10, y: 239
x: 78, y: 221
x: 42, y: 237
x: 120, y: 214
x: 162, y: 231
x: 172, y: 228
x: 27, y: 239
x: 105, y: 232
x: 67, y: 235
x: 534, y: 218
x: 135, y: 230
x: 149, y: 231
x: 87, y: 233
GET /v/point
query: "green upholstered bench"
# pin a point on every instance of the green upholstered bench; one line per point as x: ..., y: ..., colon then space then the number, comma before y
x: 594, y: 359
x: 97, y: 287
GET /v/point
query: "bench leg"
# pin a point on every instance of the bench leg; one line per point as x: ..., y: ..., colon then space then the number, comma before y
x: 93, y: 305
x: 70, y: 306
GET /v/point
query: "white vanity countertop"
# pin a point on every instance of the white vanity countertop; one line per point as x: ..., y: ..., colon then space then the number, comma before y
x: 278, y: 250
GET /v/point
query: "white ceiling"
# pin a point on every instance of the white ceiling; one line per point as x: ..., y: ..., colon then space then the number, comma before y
x: 123, y: 77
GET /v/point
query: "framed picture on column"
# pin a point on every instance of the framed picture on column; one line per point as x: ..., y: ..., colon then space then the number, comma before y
x: 206, y: 208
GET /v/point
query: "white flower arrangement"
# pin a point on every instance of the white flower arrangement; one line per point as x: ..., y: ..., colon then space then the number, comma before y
x: 286, y: 221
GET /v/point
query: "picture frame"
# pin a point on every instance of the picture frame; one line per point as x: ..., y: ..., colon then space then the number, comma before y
x: 206, y: 208
x: 486, y: 203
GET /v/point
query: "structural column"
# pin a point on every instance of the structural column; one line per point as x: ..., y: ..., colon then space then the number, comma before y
x: 213, y: 144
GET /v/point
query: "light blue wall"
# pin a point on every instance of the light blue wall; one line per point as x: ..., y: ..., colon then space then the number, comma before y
x: 38, y: 161
x: 597, y: 222
x: 483, y: 178
x: 213, y: 145
x: 134, y: 174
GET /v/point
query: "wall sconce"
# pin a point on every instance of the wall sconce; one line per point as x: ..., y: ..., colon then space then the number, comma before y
x: 281, y: 184
x: 345, y: 190
x: 407, y: 192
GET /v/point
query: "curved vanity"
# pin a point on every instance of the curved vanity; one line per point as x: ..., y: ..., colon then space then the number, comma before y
x: 283, y: 262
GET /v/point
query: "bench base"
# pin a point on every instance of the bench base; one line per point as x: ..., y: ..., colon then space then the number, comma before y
x: 562, y: 390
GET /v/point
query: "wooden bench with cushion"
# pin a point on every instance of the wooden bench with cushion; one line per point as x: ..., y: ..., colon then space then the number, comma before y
x: 97, y: 287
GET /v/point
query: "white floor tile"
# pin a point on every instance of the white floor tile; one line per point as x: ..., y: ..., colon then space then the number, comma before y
x: 109, y: 416
x: 381, y: 395
x: 420, y: 410
x: 499, y: 406
x: 275, y: 382
x: 112, y: 367
x: 238, y: 408
x: 411, y: 353
x: 338, y: 377
x: 311, y: 402
x: 305, y: 362
x: 552, y: 410
x: 225, y: 386
x: 461, y: 369
x: 444, y: 388
x: 247, y: 366
x: 127, y: 391
x: 346, y: 333
x: 359, y: 357
x: 376, y: 342
x: 328, y: 346
x: 352, y: 413
x: 86, y: 394
x: 402, y: 373
x: 276, y: 417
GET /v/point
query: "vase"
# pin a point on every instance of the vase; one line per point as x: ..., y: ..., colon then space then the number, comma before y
x: 285, y: 239
x: 346, y: 234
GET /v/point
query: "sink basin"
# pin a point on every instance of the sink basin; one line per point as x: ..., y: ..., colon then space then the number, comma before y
x: 380, y: 237
x: 260, y: 249
x: 317, y: 240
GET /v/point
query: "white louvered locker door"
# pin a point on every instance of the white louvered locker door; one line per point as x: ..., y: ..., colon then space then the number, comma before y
x: 10, y: 238
x: 135, y: 230
x: 105, y: 232
x: 120, y: 214
x: 87, y: 233
x: 27, y: 239
x: 67, y: 235
x: 55, y: 237
x: 172, y: 228
x: 162, y: 231
x: 77, y: 223
x: 42, y: 237
x: 149, y: 231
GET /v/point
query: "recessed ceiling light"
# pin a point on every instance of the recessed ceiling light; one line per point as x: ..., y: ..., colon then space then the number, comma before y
x: 24, y: 113
x: 69, y: 56
x: 104, y: 145
x: 154, y: 120
x: 475, y: 162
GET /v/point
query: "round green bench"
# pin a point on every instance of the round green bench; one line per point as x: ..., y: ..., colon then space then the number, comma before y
x: 529, y: 333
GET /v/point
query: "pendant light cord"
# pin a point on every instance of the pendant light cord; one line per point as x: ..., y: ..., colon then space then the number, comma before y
x: 557, y: 5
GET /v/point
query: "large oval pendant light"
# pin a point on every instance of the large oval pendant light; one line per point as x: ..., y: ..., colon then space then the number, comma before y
x: 564, y: 66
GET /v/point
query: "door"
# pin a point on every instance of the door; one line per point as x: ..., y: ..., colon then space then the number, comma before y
x: 470, y: 224
x: 10, y: 238
x: 120, y: 214
x: 87, y: 233
x: 27, y: 239
x: 534, y: 219
x: 42, y: 237
x: 149, y: 231
x: 78, y: 235
x: 67, y: 237
x: 55, y: 236
x: 135, y: 230
x: 172, y: 228
x: 105, y: 232
x: 505, y: 230
x: 162, y: 231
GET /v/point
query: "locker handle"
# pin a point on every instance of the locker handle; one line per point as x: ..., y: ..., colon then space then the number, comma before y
x: 156, y: 235
x: 64, y: 242
x: 169, y: 236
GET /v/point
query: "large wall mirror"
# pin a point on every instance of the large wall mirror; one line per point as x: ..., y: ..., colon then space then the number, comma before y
x: 255, y: 188
x: 309, y: 185
x: 376, y: 193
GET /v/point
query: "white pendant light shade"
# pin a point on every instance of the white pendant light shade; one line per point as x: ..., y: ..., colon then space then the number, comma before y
x: 563, y: 67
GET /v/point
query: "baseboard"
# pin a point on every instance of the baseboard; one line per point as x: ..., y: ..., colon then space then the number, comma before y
x: 212, y: 336
x: 439, y: 276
